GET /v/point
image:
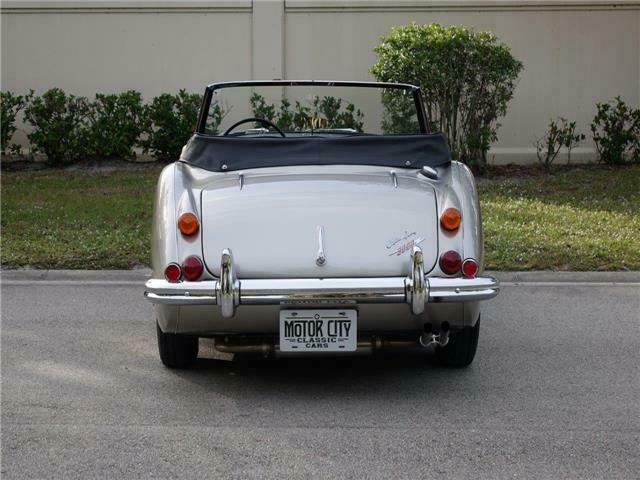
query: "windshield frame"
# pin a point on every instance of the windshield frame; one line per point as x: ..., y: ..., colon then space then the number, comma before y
x: 211, y: 88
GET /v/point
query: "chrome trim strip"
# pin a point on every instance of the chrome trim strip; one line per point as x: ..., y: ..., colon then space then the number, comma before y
x: 463, y: 289
x: 228, y: 292
x: 338, y: 290
x: 394, y: 178
x: 161, y: 287
x: 180, y: 299
x: 320, y: 258
x: 314, y: 290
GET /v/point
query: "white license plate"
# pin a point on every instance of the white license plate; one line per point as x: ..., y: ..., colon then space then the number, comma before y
x: 318, y: 330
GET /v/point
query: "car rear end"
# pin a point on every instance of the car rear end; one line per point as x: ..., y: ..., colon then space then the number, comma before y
x: 331, y: 223
x: 237, y: 257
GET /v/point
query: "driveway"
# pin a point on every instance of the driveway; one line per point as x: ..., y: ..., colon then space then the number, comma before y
x: 554, y: 392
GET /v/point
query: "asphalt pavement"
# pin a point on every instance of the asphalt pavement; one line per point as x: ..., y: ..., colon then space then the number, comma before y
x: 554, y: 392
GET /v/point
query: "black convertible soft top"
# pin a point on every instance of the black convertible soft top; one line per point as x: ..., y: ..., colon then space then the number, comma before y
x: 224, y: 154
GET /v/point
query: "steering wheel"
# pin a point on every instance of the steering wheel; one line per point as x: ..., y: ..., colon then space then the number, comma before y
x: 263, y: 121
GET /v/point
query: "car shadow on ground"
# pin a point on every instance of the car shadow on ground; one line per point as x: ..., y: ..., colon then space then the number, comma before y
x: 386, y: 373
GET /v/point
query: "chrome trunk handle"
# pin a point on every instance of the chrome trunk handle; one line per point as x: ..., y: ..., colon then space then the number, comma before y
x: 321, y: 259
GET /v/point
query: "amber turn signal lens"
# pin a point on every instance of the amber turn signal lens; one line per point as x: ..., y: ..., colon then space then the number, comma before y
x: 173, y: 272
x: 450, y: 219
x: 188, y: 223
x: 192, y: 268
x: 450, y: 262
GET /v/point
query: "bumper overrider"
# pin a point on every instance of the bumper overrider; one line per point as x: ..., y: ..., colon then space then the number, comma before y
x: 228, y: 292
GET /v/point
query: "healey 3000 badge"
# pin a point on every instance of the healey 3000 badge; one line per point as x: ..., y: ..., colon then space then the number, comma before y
x: 403, y: 244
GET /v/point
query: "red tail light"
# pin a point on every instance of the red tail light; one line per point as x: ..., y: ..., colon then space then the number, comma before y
x: 469, y: 268
x: 192, y: 268
x: 450, y: 262
x: 173, y: 273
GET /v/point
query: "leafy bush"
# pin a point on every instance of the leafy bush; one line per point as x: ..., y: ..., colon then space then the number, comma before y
x: 116, y: 123
x: 60, y: 126
x: 467, y: 79
x: 10, y: 105
x: 327, y: 113
x: 616, y: 132
x: 561, y: 133
x: 399, y: 114
x: 172, y: 120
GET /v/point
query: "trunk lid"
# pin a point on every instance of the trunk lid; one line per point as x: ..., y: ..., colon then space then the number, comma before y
x: 274, y: 223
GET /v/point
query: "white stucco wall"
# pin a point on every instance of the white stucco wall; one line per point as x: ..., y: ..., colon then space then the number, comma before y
x: 576, y: 53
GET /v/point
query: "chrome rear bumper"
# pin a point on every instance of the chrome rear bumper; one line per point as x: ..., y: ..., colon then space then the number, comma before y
x: 228, y: 292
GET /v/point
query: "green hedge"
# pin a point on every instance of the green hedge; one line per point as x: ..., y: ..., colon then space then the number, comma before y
x: 11, y: 105
x: 67, y: 128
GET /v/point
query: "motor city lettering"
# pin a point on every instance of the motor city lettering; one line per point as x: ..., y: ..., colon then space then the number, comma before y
x: 313, y: 332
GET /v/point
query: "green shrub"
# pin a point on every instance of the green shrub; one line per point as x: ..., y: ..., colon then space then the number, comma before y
x: 60, y: 126
x: 561, y: 133
x: 172, y: 120
x: 10, y: 106
x: 616, y: 132
x: 116, y: 123
x: 326, y: 112
x: 467, y: 79
x: 399, y: 114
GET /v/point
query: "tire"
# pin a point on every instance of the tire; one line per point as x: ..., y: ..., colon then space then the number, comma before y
x: 177, y: 351
x: 461, y: 348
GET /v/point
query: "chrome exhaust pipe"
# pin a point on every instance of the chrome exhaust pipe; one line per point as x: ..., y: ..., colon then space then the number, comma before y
x: 266, y: 348
x: 430, y: 339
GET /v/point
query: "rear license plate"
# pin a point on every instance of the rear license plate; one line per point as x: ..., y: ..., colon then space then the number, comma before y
x: 318, y: 330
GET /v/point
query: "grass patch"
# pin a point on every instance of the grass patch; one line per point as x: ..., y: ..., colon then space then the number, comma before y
x: 579, y: 219
x: 77, y: 219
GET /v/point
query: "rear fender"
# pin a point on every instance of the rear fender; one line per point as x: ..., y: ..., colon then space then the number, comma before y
x: 447, y: 197
x: 472, y: 238
x: 164, y: 248
x: 177, y: 192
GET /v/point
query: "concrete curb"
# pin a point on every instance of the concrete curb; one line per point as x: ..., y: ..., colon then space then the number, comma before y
x: 567, y: 277
x: 140, y: 275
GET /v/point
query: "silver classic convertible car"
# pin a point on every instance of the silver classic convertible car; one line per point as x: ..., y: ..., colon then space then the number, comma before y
x: 313, y: 217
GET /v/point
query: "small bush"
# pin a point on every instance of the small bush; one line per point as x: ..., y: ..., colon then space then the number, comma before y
x: 10, y: 106
x: 326, y: 112
x: 616, y: 132
x: 467, y: 79
x: 116, y: 123
x: 60, y: 126
x: 172, y: 120
x: 561, y: 133
x: 399, y: 114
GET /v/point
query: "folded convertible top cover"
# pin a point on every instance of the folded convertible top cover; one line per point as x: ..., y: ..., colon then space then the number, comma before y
x: 224, y: 154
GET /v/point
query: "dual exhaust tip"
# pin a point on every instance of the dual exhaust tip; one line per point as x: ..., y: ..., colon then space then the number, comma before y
x: 431, y: 339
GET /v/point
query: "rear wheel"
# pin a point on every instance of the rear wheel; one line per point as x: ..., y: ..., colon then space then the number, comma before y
x: 177, y: 351
x: 461, y: 348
